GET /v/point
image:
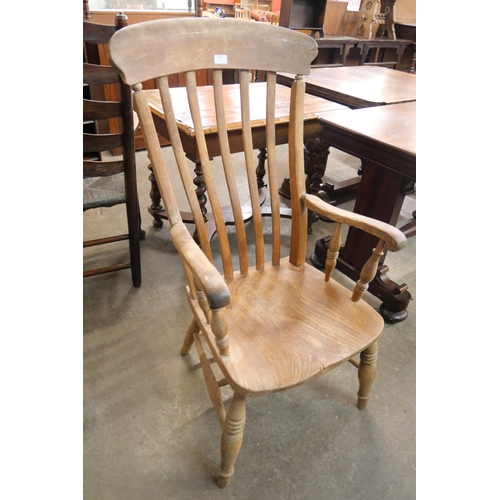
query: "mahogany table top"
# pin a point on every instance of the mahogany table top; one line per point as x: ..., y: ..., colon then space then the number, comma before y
x: 359, y: 86
x: 384, y: 134
x: 313, y: 106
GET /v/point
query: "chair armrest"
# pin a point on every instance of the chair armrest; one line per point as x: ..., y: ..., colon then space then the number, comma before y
x: 394, y: 238
x: 212, y: 283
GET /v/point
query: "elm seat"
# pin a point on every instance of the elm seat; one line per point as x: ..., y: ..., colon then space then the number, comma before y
x: 269, y: 319
x: 306, y: 349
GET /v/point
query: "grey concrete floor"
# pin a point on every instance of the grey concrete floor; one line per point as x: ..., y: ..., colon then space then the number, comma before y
x: 150, y: 432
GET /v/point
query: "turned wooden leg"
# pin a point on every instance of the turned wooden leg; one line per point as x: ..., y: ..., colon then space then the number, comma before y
x: 199, y: 182
x: 413, y: 64
x: 260, y: 171
x: 316, y: 153
x: 232, y: 437
x: 189, y: 337
x: 367, y: 372
x: 156, y: 205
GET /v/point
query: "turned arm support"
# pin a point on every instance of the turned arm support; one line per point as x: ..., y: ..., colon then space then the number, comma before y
x: 394, y: 238
x: 389, y: 237
x: 205, y: 273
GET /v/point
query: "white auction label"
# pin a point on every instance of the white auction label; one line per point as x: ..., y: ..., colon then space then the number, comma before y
x: 220, y: 58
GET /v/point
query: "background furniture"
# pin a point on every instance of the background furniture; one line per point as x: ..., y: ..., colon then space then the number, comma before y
x: 313, y: 106
x: 107, y: 125
x: 230, y: 5
x: 407, y: 30
x: 378, y: 44
x: 276, y: 323
x: 355, y: 87
x: 134, y: 17
x: 382, y: 52
x: 327, y: 53
x: 303, y: 15
x: 384, y: 138
x: 363, y: 37
x: 358, y: 86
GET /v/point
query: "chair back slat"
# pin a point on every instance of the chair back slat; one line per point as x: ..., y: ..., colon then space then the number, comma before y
x: 248, y: 151
x: 229, y: 172
x: 181, y: 161
x: 271, y: 167
x: 102, y: 168
x: 97, y: 33
x: 297, y: 174
x: 93, y: 74
x: 98, y: 110
x: 101, y: 142
x: 155, y: 154
x: 208, y: 174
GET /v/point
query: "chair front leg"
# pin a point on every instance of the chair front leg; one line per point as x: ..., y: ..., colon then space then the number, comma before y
x: 232, y: 438
x: 189, y: 337
x: 367, y: 372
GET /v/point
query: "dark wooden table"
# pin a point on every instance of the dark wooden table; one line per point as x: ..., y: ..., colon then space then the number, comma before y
x: 355, y: 87
x: 313, y: 106
x: 384, y: 138
x: 358, y: 86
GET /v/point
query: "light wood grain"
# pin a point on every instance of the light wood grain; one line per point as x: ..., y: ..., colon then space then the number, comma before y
x: 287, y: 326
x: 140, y: 57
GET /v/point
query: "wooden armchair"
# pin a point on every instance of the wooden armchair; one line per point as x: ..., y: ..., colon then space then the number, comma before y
x: 270, y: 320
x: 108, y: 125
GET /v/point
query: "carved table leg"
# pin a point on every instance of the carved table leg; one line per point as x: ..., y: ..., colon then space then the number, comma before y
x: 232, y: 438
x: 199, y: 182
x: 316, y: 153
x: 413, y: 64
x: 260, y: 171
x: 156, y: 205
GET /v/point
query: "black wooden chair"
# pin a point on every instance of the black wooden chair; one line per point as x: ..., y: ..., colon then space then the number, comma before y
x: 109, y: 171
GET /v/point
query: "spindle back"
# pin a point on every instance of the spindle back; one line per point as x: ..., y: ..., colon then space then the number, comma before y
x: 157, y: 49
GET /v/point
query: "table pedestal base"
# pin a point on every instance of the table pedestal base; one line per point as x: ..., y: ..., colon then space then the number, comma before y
x: 159, y: 214
x: 380, y: 196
